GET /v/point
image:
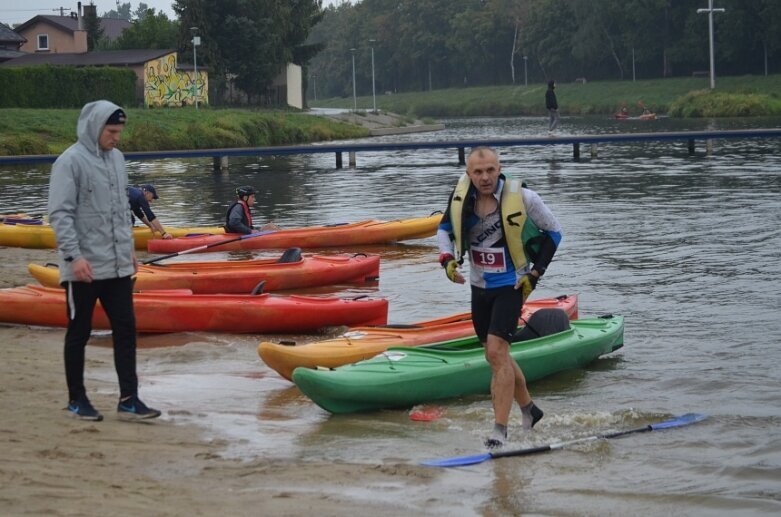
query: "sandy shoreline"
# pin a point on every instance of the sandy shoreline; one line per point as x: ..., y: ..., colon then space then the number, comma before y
x: 55, y: 465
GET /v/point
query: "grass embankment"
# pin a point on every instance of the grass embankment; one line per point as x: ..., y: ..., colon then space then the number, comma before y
x: 51, y: 131
x: 679, y: 97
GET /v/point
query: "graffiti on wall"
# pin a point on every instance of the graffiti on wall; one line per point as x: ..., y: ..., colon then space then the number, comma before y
x: 165, y: 85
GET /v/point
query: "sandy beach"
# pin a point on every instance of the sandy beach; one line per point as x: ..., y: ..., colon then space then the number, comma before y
x: 55, y: 465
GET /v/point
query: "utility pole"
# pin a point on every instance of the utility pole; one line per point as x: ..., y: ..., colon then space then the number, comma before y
x: 374, y: 94
x: 355, y: 99
x: 196, y: 42
x: 525, y: 74
x: 710, y: 10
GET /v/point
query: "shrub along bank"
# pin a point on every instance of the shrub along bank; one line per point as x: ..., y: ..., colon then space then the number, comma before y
x: 51, y: 131
x: 680, y: 97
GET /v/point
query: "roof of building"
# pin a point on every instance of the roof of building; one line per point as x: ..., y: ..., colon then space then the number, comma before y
x: 102, y: 58
x: 6, y: 54
x: 112, y: 27
x: 7, y: 35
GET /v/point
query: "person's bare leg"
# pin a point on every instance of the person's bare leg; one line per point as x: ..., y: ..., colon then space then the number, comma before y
x: 503, y: 380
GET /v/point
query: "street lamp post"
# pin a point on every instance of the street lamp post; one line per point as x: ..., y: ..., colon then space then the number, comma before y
x: 525, y: 75
x: 710, y: 10
x: 374, y: 94
x: 196, y: 42
x: 355, y: 99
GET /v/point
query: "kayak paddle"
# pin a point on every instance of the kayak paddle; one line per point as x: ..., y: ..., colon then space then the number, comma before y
x: 205, y: 246
x: 688, y: 418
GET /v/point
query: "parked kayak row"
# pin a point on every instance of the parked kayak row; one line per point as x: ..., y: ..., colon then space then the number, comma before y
x: 225, y: 296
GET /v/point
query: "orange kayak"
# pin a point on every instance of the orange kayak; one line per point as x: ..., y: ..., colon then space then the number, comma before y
x: 177, y: 311
x: 353, y: 234
x: 242, y: 276
x: 41, y: 236
x: 364, y: 342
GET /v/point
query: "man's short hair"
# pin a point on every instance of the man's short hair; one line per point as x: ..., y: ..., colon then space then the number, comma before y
x: 482, y: 149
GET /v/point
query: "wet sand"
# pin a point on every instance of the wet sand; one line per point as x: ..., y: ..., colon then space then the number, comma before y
x: 56, y: 465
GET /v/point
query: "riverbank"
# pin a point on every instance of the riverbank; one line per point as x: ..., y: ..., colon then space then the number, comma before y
x: 680, y: 97
x: 54, y: 465
x: 51, y: 131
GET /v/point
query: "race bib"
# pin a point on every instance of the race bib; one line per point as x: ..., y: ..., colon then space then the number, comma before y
x: 490, y: 260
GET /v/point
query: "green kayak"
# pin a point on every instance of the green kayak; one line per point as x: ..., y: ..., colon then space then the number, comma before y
x: 402, y: 377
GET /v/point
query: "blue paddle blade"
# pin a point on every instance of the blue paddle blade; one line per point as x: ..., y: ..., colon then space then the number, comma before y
x: 458, y: 461
x: 688, y: 418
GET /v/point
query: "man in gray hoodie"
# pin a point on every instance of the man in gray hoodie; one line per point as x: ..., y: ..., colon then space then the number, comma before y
x: 89, y: 212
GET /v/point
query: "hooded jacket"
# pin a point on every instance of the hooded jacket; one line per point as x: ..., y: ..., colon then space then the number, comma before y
x: 88, y: 204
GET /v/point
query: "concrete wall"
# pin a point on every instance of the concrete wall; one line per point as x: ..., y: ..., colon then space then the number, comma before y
x: 165, y: 85
x: 295, y: 92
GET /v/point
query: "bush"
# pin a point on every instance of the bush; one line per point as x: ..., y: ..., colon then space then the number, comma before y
x: 50, y: 86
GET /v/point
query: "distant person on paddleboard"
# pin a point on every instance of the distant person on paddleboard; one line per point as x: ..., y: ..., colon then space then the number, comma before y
x: 552, y: 105
x: 89, y: 213
x: 502, y: 227
x: 238, y: 219
x: 139, y: 198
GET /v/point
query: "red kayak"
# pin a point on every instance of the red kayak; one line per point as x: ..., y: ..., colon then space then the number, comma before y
x: 243, y: 276
x: 178, y: 311
x: 353, y: 234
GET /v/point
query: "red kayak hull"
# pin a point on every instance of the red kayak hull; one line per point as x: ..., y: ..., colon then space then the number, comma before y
x: 241, y: 277
x: 176, y: 311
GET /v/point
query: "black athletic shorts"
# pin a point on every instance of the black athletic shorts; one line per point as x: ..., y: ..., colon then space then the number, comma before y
x: 496, y: 311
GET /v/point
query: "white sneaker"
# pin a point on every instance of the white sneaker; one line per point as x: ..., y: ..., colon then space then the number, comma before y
x: 495, y: 440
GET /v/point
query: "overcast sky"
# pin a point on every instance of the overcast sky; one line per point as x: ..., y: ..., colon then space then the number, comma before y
x: 17, y: 11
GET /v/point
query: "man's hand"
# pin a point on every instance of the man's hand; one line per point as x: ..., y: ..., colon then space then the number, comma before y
x: 269, y: 227
x: 82, y: 270
x: 526, y: 284
x: 448, y: 262
x: 167, y: 236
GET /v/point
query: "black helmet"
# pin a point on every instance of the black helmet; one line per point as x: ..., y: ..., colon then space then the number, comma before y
x: 245, y: 191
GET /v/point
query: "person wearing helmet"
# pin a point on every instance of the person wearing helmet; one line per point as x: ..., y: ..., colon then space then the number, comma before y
x: 139, y: 198
x: 238, y: 219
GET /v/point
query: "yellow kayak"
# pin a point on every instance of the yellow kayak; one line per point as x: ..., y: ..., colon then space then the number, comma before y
x: 41, y: 236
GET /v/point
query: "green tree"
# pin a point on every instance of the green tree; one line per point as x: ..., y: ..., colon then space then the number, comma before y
x: 94, y: 30
x: 152, y: 31
x: 251, y: 40
x: 122, y: 12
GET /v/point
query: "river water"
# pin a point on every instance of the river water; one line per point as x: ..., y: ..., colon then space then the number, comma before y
x: 686, y: 248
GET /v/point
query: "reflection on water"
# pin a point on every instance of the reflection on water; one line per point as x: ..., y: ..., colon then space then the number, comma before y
x: 686, y: 248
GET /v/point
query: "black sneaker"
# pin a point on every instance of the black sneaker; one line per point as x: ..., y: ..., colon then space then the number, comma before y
x: 133, y: 409
x: 83, y: 410
x: 530, y: 416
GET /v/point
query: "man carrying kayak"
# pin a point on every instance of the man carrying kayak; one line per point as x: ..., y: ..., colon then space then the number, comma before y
x: 502, y: 227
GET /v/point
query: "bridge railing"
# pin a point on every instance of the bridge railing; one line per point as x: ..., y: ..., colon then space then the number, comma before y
x: 221, y: 156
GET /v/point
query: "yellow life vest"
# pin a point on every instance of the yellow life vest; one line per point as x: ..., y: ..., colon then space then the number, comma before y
x: 518, y: 229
